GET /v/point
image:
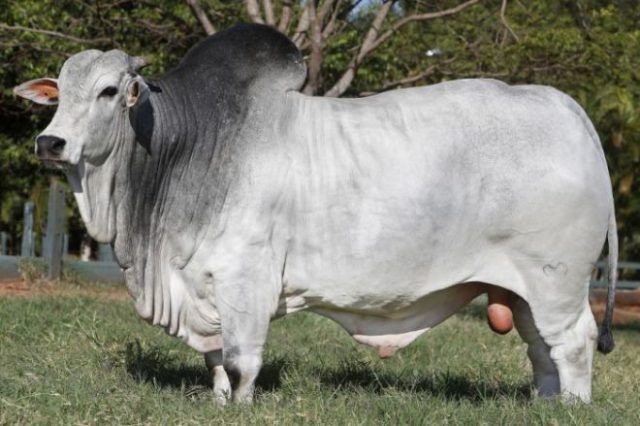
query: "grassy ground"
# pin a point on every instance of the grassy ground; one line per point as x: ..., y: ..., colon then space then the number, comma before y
x: 78, y: 357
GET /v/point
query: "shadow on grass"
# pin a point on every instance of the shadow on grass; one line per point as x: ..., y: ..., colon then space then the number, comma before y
x: 447, y: 385
x: 156, y: 365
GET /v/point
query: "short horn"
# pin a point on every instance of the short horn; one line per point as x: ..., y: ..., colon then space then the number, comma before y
x: 139, y: 62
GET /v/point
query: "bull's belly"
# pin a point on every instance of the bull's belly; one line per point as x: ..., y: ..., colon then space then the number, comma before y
x: 389, y: 334
x: 395, y: 281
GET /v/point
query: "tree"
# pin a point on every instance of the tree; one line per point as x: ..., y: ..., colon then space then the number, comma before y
x: 315, y: 26
x: 587, y: 48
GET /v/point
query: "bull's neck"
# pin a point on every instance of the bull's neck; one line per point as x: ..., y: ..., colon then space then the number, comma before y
x: 109, y: 194
x: 159, y: 178
x: 139, y: 175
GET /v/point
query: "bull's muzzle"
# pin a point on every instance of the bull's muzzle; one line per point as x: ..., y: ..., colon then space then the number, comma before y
x: 49, y: 147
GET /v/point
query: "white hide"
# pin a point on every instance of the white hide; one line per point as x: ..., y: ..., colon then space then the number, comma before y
x: 372, y: 210
x: 375, y: 211
x: 231, y: 199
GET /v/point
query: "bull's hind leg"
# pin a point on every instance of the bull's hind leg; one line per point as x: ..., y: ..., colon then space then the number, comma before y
x: 545, y: 373
x: 561, y: 339
x: 572, y: 351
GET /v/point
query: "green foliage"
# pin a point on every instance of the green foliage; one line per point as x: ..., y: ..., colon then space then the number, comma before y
x: 587, y: 48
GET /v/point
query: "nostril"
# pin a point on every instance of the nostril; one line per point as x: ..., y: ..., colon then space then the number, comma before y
x: 57, y: 145
x: 49, y: 145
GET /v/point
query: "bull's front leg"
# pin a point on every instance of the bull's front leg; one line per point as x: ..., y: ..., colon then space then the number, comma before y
x: 221, y: 384
x: 246, y: 303
x: 243, y: 361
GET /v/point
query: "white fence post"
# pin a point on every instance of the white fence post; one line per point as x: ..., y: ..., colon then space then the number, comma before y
x: 65, y: 245
x: 3, y: 243
x: 28, y: 237
x: 52, y: 251
x: 105, y: 253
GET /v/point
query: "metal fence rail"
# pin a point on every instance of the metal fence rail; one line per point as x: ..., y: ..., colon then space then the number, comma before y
x: 601, y: 272
x: 95, y: 271
x: 55, y: 246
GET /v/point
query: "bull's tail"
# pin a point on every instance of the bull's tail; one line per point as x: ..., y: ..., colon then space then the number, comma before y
x: 605, y: 340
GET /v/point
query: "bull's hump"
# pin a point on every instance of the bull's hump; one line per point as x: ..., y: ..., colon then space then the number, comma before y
x: 244, y: 55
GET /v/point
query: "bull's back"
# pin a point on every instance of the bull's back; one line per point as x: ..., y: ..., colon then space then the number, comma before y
x: 401, y: 192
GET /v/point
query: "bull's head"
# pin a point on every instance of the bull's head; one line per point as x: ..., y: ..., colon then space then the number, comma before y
x: 93, y: 92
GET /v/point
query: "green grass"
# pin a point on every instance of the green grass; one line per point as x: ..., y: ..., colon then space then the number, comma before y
x: 69, y: 360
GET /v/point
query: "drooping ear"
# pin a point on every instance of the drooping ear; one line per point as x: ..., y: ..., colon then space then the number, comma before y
x: 137, y: 91
x: 41, y: 91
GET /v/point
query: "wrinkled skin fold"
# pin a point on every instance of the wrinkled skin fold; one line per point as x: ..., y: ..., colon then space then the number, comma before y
x: 231, y: 199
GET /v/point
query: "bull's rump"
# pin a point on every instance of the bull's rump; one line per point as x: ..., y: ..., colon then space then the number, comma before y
x: 409, y: 192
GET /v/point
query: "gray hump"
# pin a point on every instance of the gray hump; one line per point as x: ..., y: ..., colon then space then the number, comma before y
x: 240, y: 57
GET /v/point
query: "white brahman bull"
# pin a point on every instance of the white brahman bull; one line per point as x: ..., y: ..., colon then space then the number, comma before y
x: 231, y: 199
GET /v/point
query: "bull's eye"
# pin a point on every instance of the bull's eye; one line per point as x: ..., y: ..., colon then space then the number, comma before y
x: 108, y: 92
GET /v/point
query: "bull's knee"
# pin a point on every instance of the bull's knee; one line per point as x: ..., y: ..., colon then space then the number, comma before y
x: 499, y: 314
